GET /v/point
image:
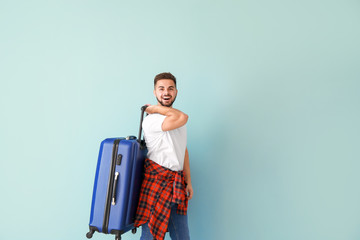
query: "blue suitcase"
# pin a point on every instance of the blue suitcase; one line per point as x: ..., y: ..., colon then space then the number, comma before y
x: 118, y: 178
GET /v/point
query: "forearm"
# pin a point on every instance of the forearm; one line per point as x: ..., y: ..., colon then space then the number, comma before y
x: 167, y: 111
x: 187, y: 174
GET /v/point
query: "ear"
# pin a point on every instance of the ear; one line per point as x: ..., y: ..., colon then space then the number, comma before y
x: 154, y: 93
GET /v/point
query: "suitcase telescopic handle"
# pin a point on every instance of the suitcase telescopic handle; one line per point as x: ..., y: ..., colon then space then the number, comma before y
x: 141, y: 120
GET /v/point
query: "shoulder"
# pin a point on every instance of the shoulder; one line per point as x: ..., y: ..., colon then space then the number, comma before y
x: 154, y: 117
x: 153, y: 121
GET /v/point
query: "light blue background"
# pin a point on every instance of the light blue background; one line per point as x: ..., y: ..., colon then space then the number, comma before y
x: 271, y: 88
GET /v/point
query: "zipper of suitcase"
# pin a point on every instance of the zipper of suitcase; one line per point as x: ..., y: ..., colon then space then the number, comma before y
x: 110, y: 186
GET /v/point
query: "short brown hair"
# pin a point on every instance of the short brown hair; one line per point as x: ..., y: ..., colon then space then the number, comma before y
x: 164, y: 75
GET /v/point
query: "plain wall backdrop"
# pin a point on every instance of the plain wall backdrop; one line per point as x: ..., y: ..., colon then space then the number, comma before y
x: 271, y: 89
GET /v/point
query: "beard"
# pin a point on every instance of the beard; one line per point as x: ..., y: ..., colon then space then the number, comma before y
x: 166, y: 105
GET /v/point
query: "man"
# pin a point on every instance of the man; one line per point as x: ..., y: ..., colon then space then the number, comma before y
x: 167, y: 187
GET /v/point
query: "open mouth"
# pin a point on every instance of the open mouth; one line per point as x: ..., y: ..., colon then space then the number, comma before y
x: 166, y: 98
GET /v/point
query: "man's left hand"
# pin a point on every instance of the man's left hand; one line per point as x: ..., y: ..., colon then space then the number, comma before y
x: 189, y: 191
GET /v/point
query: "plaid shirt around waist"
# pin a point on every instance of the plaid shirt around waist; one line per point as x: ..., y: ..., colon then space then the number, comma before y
x: 160, y: 188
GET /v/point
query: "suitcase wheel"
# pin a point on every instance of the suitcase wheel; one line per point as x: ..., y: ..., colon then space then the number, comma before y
x: 89, y: 234
x: 133, y: 230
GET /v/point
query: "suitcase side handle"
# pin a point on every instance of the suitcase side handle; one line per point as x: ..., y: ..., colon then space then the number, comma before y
x: 113, y: 202
x: 141, y: 142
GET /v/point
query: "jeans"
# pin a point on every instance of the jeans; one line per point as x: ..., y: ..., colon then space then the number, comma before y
x: 177, y: 226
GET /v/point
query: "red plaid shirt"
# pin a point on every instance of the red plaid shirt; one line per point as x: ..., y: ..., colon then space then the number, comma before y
x: 160, y: 188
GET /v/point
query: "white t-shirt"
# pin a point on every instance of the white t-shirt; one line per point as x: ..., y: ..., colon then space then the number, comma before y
x: 166, y: 148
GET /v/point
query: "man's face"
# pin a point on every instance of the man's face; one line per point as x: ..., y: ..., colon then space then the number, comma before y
x: 165, y: 92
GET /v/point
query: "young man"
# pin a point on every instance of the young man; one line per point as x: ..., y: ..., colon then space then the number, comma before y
x: 167, y: 187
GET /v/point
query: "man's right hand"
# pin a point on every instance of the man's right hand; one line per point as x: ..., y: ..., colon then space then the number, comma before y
x: 152, y: 109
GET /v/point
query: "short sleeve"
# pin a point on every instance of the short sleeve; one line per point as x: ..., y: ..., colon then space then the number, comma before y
x: 153, y: 123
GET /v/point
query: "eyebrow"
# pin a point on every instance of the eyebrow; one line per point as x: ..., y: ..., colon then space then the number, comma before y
x: 164, y: 87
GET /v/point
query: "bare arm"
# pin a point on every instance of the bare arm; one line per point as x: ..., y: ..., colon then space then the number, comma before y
x: 189, y: 189
x: 174, y: 118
